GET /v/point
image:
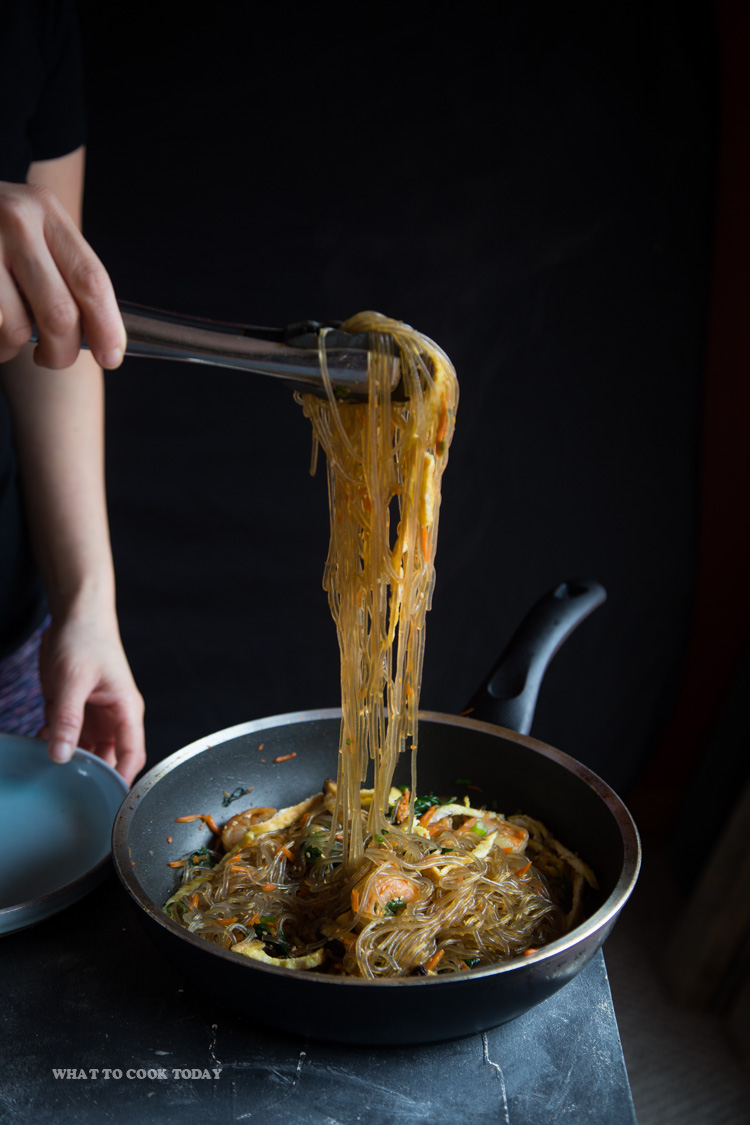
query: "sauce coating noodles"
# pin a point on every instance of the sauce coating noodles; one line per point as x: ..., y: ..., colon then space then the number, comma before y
x: 379, y: 882
x: 382, y: 455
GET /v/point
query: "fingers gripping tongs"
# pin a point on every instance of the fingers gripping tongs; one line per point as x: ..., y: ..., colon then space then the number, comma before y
x: 290, y: 353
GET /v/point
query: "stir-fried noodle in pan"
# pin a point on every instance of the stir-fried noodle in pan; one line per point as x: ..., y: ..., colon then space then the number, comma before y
x: 378, y: 882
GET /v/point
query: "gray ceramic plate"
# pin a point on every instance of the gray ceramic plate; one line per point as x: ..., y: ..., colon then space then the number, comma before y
x: 55, y: 829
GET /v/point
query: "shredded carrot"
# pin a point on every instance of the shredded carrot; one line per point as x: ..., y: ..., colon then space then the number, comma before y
x: 287, y: 852
x: 529, y: 951
x: 425, y: 544
x: 207, y: 819
x: 355, y: 900
x: 260, y: 747
x: 426, y: 817
x: 435, y: 960
x: 285, y: 757
x: 193, y: 901
x: 524, y: 869
x: 402, y: 809
x: 226, y: 921
x: 255, y: 918
x: 409, y: 690
x: 169, y: 839
x: 268, y: 887
x: 442, y: 424
x: 176, y: 863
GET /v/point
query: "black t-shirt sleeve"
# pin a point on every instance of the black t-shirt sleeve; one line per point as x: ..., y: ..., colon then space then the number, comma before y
x: 41, y: 84
x: 57, y: 125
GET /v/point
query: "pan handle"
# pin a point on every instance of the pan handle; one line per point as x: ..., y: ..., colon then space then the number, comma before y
x: 508, y: 695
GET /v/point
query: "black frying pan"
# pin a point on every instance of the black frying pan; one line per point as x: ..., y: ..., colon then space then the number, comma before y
x: 521, y: 773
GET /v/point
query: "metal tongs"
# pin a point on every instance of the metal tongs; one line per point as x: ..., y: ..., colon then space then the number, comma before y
x: 288, y: 353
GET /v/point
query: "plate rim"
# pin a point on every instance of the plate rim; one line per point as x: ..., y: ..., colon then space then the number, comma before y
x: 46, y: 905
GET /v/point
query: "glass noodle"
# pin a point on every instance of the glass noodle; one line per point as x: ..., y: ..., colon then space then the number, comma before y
x: 385, y: 464
x: 376, y: 881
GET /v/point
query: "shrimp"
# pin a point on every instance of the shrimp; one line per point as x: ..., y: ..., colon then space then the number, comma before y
x: 510, y: 837
x: 380, y: 892
x: 236, y: 827
x: 243, y: 828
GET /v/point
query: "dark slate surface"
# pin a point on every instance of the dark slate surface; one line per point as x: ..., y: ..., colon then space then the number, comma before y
x: 86, y: 991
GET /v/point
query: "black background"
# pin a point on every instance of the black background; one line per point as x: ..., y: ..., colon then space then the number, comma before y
x: 529, y: 184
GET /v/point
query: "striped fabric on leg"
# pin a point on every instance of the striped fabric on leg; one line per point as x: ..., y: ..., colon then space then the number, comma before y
x: 21, y: 701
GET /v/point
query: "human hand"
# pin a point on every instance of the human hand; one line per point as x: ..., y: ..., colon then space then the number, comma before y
x: 91, y: 697
x: 50, y: 275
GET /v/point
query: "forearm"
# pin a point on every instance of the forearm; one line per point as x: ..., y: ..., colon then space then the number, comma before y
x: 57, y: 405
x: 58, y: 429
